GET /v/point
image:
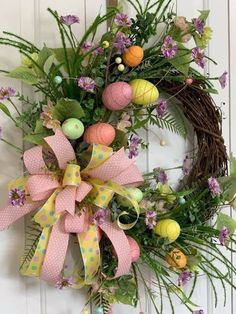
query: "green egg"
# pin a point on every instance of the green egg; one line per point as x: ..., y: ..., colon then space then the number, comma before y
x: 73, y: 128
x: 135, y: 193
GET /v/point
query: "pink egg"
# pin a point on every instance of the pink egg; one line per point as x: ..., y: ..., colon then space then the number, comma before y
x: 100, y: 133
x: 135, y: 250
x: 117, y: 96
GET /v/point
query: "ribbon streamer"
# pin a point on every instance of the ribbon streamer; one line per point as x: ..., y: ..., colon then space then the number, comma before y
x: 55, y: 196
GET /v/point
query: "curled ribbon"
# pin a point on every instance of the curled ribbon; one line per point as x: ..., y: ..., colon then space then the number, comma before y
x: 56, y: 196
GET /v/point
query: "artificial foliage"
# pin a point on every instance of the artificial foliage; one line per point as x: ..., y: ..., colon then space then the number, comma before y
x: 96, y: 221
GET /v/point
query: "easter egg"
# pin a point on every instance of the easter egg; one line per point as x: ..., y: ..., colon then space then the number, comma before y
x: 182, y: 201
x: 134, y: 249
x: 100, y: 133
x: 133, y: 56
x: 58, y: 80
x: 176, y: 258
x: 73, y: 128
x: 168, y: 228
x: 144, y: 92
x: 117, y: 96
x: 99, y: 310
x: 135, y: 193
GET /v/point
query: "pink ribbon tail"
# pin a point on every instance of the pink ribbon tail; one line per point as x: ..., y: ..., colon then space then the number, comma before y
x: 10, y: 214
x: 55, y: 254
x: 121, y: 246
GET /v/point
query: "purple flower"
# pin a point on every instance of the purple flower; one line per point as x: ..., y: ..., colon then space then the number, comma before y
x: 184, y: 278
x: 99, y: 51
x: 7, y: 92
x: 122, y: 42
x: 151, y: 219
x: 169, y: 47
x: 69, y: 19
x: 199, y: 57
x: 133, y: 146
x: 223, y: 80
x: 186, y: 166
x: 86, y: 83
x: 122, y: 19
x: 224, y: 236
x: 99, y: 217
x: 17, y: 197
x: 161, y: 108
x: 199, y: 25
x: 214, y: 186
x: 198, y: 312
x: 64, y: 283
x: 162, y: 177
x: 87, y: 45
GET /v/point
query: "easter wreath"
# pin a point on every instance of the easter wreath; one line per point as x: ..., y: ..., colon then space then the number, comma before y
x: 80, y: 184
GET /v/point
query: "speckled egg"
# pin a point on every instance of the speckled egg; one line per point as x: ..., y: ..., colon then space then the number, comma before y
x: 117, y: 96
x: 100, y: 133
x: 133, y: 56
x: 73, y: 128
x: 144, y: 92
x: 176, y: 258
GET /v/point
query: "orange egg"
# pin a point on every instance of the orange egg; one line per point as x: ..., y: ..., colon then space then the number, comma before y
x: 133, y: 56
x: 100, y: 133
x: 176, y: 258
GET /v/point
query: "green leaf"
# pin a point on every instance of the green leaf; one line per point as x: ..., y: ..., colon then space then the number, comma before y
x: 40, y: 132
x: 43, y: 56
x: 5, y: 109
x: 228, y: 185
x: 182, y: 59
x: 67, y: 108
x: 233, y: 167
x: 204, y: 15
x: 224, y: 220
x: 24, y: 74
x: 48, y: 64
x: 60, y: 56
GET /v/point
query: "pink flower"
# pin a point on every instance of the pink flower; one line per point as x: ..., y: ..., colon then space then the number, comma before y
x: 214, y: 186
x: 161, y: 108
x: 224, y: 236
x: 223, y: 80
x: 181, y: 22
x: 122, y: 41
x: 99, y: 217
x: 7, y: 92
x: 47, y: 117
x: 199, y: 57
x: 184, y: 278
x: 87, y: 46
x: 124, y: 123
x: 17, y: 197
x: 169, y: 47
x: 151, y: 219
x: 69, y: 19
x: 86, y: 83
x: 122, y: 19
x: 133, y: 146
x: 64, y: 283
x: 199, y: 25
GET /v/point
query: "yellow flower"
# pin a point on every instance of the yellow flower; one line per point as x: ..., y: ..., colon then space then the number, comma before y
x: 26, y: 61
x: 166, y: 192
x: 207, y: 35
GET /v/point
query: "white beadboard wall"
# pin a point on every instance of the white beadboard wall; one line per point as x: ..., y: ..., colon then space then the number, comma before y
x: 30, y: 19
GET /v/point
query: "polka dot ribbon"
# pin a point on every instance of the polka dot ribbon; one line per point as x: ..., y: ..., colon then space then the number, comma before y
x: 107, y: 173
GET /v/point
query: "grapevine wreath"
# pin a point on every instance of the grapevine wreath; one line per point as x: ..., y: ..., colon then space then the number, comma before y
x: 97, y: 222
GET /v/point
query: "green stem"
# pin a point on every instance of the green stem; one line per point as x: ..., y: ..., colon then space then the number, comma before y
x: 12, y: 145
x: 17, y: 110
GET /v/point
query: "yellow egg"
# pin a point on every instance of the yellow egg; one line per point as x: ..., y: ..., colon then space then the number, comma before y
x: 144, y: 92
x: 168, y: 228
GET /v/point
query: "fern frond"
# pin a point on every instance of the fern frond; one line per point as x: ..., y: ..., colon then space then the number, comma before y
x: 100, y: 301
x: 32, y: 234
x: 171, y: 123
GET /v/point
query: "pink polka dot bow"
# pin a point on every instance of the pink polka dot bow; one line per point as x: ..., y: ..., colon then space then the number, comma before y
x: 56, y: 195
